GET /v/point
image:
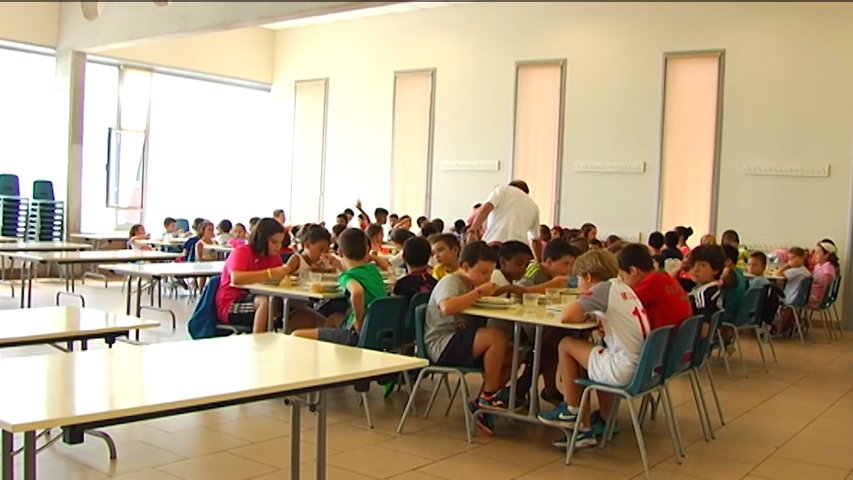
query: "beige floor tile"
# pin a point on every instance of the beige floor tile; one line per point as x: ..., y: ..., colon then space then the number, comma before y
x: 146, y: 475
x: 660, y: 474
x: 771, y: 436
x: 64, y: 468
x: 345, y: 438
x: 816, y: 449
x: 783, y: 469
x: 253, y: 429
x: 308, y: 471
x: 194, y: 442
x: 414, y: 476
x: 708, y: 467
x: 428, y: 445
x: 182, y: 422
x: 730, y: 449
x: 132, y: 456
x: 219, y: 466
x: 466, y: 467
x: 524, y: 454
x: 377, y: 462
x: 276, y: 452
x: 558, y: 470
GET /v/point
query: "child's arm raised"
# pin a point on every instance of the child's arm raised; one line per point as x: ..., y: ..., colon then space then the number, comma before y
x: 455, y: 305
x: 356, y: 299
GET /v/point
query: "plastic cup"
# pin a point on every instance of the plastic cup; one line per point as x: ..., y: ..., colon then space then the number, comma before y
x: 530, y: 301
x: 552, y: 295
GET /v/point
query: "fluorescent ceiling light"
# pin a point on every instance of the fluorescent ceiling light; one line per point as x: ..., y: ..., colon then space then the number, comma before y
x: 357, y: 14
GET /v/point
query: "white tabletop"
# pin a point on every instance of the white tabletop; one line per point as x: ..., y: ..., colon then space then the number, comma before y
x: 516, y: 313
x: 51, y: 323
x: 80, y: 387
x: 297, y: 291
x: 9, y: 239
x: 43, y: 246
x: 219, y: 248
x: 158, y: 242
x: 96, y: 256
x: 183, y: 269
x: 101, y: 236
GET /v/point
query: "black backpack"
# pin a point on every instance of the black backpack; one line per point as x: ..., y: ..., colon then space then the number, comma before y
x: 772, y: 302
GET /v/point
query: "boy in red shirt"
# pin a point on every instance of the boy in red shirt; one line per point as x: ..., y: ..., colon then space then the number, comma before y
x: 666, y: 303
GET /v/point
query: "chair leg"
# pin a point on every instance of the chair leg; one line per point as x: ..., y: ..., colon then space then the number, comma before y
x: 701, y: 408
x: 366, y: 409
x: 724, y: 354
x: 441, y: 379
x: 827, y: 322
x: 799, y: 326
x: 570, y: 444
x: 610, y: 427
x: 757, y: 330
x: 674, y: 431
x: 769, y: 337
x: 453, y: 395
x: 408, y: 379
x: 411, y: 403
x: 716, y: 396
x: 838, y: 320
x: 640, y: 442
x: 740, y: 351
x: 469, y: 417
x: 644, y: 408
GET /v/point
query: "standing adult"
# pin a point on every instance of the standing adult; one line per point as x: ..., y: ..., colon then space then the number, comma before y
x: 511, y: 214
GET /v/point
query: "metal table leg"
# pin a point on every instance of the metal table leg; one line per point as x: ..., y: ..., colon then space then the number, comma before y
x: 320, y: 428
x: 295, y: 411
x: 23, y: 283
x: 8, y: 459
x: 127, y: 300
x: 30, y: 455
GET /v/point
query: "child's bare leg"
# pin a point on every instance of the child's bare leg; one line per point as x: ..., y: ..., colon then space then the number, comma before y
x: 491, y: 344
x: 574, y: 355
x: 261, y: 314
x: 605, y: 404
x: 306, y: 333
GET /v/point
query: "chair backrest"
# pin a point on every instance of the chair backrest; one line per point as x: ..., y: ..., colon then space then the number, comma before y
x: 183, y: 224
x: 408, y: 333
x: 189, y: 247
x: 704, y: 344
x: 832, y: 291
x: 802, y: 298
x: 683, y: 346
x: 383, y: 322
x: 420, y: 326
x: 751, y: 307
x: 203, y: 321
x: 43, y: 190
x: 9, y: 185
x: 650, y: 368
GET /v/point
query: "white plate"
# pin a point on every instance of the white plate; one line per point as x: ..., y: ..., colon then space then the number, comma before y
x: 493, y: 306
x: 495, y: 301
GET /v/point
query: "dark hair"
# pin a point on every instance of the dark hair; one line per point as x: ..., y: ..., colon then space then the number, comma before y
x: 416, y: 252
x: 730, y: 236
x: 337, y: 228
x: 168, y: 221
x: 611, y: 239
x: 459, y: 226
x: 513, y: 248
x: 428, y: 229
x: 421, y: 220
x: 684, y: 232
x: 559, y: 230
x: 400, y: 235
x: 353, y: 244
x: 477, y: 205
x: 260, y: 236
x: 314, y: 234
x: 573, y: 233
x: 448, y: 239
x: 671, y: 239
x: 797, y: 252
x: 580, y: 243
x: 586, y: 228
x: 254, y: 221
x: 277, y: 212
x: 521, y: 185
x: 557, y: 249
x: 348, y: 211
x: 203, y: 225
x: 374, y: 229
x: 225, y: 226
x: 394, y: 215
x: 595, y: 243
x: 712, y: 255
x: 544, y: 231
x: 730, y: 253
x: 196, y: 223
x: 135, y: 229
x: 832, y: 257
x: 635, y: 255
x: 656, y: 240
x: 760, y: 256
x: 478, y: 251
x: 439, y: 224
x: 238, y: 224
x: 341, y: 215
x: 380, y: 211
x: 362, y: 216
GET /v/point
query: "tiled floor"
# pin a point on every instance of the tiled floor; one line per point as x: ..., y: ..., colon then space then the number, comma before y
x: 794, y: 423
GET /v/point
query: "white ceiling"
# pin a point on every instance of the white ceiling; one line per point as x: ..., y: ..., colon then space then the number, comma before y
x: 360, y: 13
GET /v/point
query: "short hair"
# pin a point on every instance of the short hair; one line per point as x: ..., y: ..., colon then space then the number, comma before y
x: 684, y: 232
x: 730, y: 253
x: 254, y: 221
x: 557, y: 249
x: 581, y: 244
x: 238, y: 224
x: 374, y: 229
x: 656, y: 240
x: 573, y: 233
x: 260, y: 236
x: 635, y: 255
x: 587, y: 227
x: 476, y: 252
x: 595, y: 243
x: 439, y: 224
x: 400, y: 235
x: 337, y: 228
x: 428, y: 229
x: 134, y: 230
x: 671, y: 239
x: 797, y: 252
x: 353, y: 243
x: 710, y: 254
x: 380, y: 211
x: 521, y: 185
x: 225, y: 226
x: 341, y: 215
x: 197, y: 222
x: 277, y: 212
x: 422, y: 219
x: 730, y: 236
x: 394, y: 215
x: 600, y: 264
x: 168, y: 221
x: 315, y: 234
x: 459, y: 225
x: 449, y: 239
x: 760, y: 256
x: 514, y: 248
x: 348, y: 211
x: 416, y: 252
x: 612, y: 239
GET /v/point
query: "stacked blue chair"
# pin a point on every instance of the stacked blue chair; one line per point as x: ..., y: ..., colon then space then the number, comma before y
x: 13, y: 207
x: 46, y: 217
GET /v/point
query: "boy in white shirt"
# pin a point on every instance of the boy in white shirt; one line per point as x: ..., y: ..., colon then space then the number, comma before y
x: 624, y: 324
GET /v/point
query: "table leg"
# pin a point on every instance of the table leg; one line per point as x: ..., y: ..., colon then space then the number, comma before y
x: 295, y: 411
x: 513, y: 378
x: 69, y: 272
x: 30, y: 455
x: 138, y: 296
x: 127, y: 300
x: 285, y: 304
x: 30, y: 275
x: 320, y: 430
x: 537, y: 360
x: 23, y: 283
x: 7, y: 458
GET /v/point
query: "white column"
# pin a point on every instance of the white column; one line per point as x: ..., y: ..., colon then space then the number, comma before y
x: 70, y: 78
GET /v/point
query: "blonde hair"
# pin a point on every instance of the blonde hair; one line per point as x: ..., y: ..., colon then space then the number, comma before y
x: 600, y: 264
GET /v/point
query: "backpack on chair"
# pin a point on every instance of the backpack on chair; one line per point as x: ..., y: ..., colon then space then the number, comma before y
x: 772, y: 303
x: 203, y: 321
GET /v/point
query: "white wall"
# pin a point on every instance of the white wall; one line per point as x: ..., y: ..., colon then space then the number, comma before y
x: 787, y: 101
x: 30, y: 22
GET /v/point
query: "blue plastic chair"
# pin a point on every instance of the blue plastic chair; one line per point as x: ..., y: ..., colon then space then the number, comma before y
x: 9, y: 185
x: 203, y: 322
x: 798, y: 305
x: 701, y: 356
x: 443, y: 371
x: 748, y: 318
x: 408, y: 332
x: 43, y: 190
x: 183, y: 224
x: 826, y: 307
x: 648, y: 378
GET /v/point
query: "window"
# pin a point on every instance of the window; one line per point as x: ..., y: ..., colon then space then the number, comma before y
x: 411, y: 157
x: 309, y: 151
x: 100, y: 114
x: 690, y: 140
x: 537, y: 146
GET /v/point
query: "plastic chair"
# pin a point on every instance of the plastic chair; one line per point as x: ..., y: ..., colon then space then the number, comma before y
x: 183, y: 224
x: 798, y: 304
x: 748, y: 318
x: 648, y: 378
x: 408, y: 331
x: 442, y: 370
x: 701, y: 356
x: 826, y: 307
x: 43, y: 190
x: 203, y: 322
x: 9, y: 185
x: 381, y: 331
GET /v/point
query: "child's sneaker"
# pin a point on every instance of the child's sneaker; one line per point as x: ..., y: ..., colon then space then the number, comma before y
x: 559, y: 417
x: 554, y: 398
x: 521, y: 404
x: 491, y: 402
x: 586, y: 438
x: 485, y: 422
x: 599, y: 425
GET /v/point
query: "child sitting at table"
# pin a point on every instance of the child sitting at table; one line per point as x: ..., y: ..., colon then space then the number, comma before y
x: 315, y: 256
x: 337, y: 230
x: 663, y: 298
x: 224, y: 232
x: 731, y: 237
x: 238, y: 236
x: 623, y: 320
x: 137, y: 234
x: 733, y: 282
x: 755, y: 266
x: 252, y: 223
x: 513, y: 259
x: 445, y: 249
x: 170, y: 225
x: 399, y: 237
x: 455, y: 339
x: 416, y: 253
x: 706, y: 265
x: 825, y: 269
x: 375, y: 234
x: 361, y: 282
